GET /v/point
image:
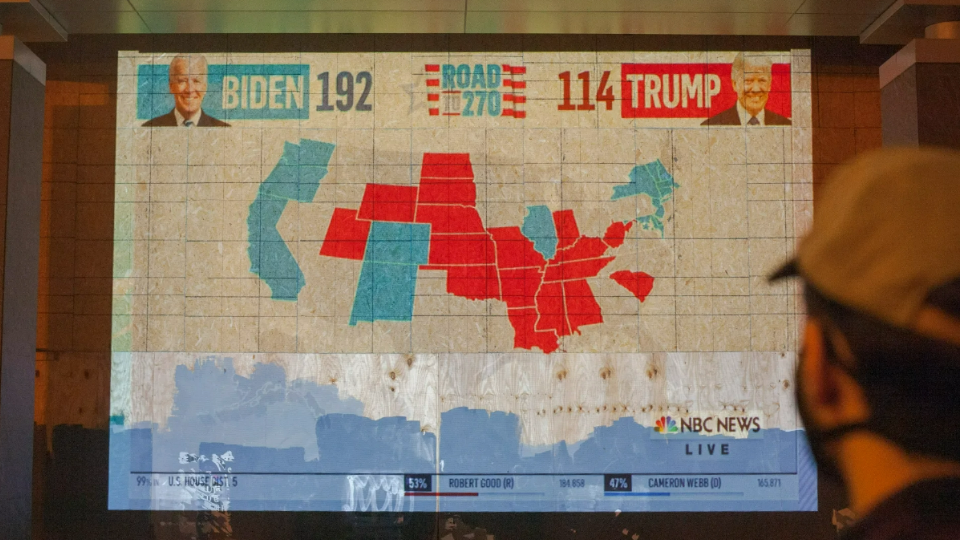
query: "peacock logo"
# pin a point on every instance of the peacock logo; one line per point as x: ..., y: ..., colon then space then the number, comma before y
x: 666, y: 425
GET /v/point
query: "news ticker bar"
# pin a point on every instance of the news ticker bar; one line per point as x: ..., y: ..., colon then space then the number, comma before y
x: 613, y: 484
x: 683, y: 485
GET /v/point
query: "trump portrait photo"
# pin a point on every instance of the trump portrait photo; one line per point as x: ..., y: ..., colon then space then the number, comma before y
x: 751, y: 75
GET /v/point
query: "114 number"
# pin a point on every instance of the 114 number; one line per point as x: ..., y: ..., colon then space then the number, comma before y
x: 604, y: 92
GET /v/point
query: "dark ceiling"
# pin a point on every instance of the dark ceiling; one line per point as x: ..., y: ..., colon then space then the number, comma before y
x: 875, y: 21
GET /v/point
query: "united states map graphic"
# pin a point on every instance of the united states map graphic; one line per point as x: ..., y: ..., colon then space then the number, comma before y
x: 539, y: 270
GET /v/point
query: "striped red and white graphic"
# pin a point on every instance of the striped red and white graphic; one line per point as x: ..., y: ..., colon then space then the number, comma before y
x: 433, y: 88
x: 514, y: 85
x: 513, y: 95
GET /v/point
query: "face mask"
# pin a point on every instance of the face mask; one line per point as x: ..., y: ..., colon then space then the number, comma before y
x: 884, y: 419
x: 820, y: 438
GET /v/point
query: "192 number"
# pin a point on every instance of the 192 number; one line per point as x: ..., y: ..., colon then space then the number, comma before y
x: 345, y: 89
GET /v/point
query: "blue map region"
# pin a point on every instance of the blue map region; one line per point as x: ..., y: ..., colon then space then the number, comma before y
x: 388, y: 277
x: 656, y: 182
x: 539, y: 227
x: 296, y: 177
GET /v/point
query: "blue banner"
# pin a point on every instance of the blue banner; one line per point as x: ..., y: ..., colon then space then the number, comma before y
x: 234, y: 92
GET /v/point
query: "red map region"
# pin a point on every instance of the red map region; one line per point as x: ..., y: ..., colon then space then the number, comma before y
x: 639, y: 283
x: 546, y: 299
x: 346, y: 235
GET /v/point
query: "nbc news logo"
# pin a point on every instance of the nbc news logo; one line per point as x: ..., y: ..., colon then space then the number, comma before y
x: 666, y: 425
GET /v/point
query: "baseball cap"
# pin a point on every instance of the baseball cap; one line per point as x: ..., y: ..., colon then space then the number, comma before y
x: 886, y: 233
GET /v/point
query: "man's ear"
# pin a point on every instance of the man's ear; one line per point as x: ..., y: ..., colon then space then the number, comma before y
x: 832, y: 396
x: 818, y: 391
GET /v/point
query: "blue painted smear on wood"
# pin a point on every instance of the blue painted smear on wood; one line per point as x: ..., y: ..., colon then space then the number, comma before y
x: 296, y: 177
x: 302, y: 432
x: 262, y: 409
x: 539, y: 227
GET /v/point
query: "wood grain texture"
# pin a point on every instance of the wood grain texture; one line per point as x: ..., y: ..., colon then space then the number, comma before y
x: 556, y: 397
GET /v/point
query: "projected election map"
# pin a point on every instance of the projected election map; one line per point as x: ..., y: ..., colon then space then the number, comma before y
x: 539, y: 270
x: 445, y: 281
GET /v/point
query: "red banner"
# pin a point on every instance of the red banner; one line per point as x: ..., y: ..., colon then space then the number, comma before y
x: 691, y: 90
